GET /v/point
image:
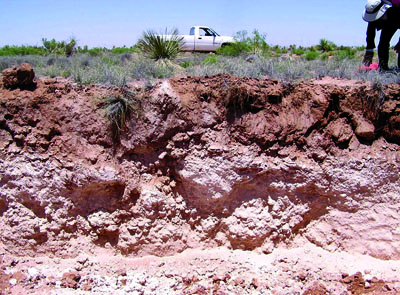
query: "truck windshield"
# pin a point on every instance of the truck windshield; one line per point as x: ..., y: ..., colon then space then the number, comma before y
x: 215, y: 33
x: 191, y: 31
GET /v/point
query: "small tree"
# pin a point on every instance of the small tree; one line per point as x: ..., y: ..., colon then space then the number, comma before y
x: 257, y: 43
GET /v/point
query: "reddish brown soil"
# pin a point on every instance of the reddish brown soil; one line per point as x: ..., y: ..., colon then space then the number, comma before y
x: 91, y: 202
x: 287, y: 108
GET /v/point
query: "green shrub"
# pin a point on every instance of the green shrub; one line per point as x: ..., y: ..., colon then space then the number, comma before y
x: 66, y: 73
x: 186, y: 64
x: 121, y: 50
x: 96, y: 51
x: 234, y: 49
x: 277, y: 49
x: 298, y: 51
x: 311, y: 55
x: 347, y: 53
x: 109, y: 60
x: 324, y: 56
x: 59, y: 47
x: 21, y: 50
x: 211, y: 59
x: 161, y: 46
x: 255, y: 44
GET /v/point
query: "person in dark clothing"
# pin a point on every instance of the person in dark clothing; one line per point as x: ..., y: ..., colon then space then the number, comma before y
x: 388, y: 30
x: 371, y: 33
x: 375, y: 14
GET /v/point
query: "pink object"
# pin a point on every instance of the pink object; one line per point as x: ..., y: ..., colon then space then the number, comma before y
x: 372, y: 67
x: 395, y: 3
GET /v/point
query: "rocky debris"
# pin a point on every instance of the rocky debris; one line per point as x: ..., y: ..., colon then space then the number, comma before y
x: 316, y: 289
x: 4, y: 279
x: 364, y: 129
x: 306, y: 270
x: 21, y: 77
x: 238, y: 163
x: 70, y: 280
x: 356, y: 284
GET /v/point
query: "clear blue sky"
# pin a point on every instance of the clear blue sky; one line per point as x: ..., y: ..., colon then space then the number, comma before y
x: 107, y: 23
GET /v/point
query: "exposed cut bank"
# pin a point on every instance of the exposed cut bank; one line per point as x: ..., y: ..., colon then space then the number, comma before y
x: 248, y: 173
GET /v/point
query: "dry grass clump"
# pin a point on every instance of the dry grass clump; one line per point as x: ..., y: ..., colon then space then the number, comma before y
x: 118, y: 109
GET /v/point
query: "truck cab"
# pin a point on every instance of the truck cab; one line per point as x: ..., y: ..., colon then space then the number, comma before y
x: 202, y: 38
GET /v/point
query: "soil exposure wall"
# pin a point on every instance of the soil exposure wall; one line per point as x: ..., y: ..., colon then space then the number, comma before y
x: 204, y: 162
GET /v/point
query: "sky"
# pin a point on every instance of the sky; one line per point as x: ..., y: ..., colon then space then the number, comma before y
x: 101, y: 23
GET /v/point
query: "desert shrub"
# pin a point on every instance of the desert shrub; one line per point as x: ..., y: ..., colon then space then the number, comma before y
x: 147, y: 69
x: 211, y: 59
x: 186, y: 64
x: 110, y: 60
x: 97, y: 71
x: 55, y: 67
x: 311, y: 55
x: 205, y: 70
x: 124, y: 57
x: 298, y: 51
x: 277, y: 49
x: 257, y: 43
x: 121, y: 50
x: 85, y: 61
x: 21, y: 50
x: 161, y: 46
x: 254, y: 44
x: 66, y: 73
x: 324, y: 56
x: 189, y: 59
x: 59, y: 47
x: 96, y: 51
x: 326, y: 45
x: 35, y: 61
x: 6, y: 62
x: 52, y: 71
x: 346, y: 53
x: 234, y: 49
x: 291, y: 71
x: 118, y: 109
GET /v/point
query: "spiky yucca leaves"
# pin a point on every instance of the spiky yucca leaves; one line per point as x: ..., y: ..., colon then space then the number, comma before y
x: 161, y: 46
x: 118, y: 108
x: 326, y: 45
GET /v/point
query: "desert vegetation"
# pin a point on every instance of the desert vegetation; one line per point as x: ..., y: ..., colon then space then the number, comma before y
x: 250, y: 56
x: 118, y: 108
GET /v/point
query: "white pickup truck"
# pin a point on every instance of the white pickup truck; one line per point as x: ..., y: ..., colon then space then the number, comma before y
x: 203, y: 38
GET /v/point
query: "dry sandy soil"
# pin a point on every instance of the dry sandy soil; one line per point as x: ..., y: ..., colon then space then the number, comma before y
x: 216, y: 185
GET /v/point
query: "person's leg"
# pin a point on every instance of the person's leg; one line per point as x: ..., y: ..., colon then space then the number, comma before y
x: 398, y: 61
x: 383, y: 47
x: 369, y: 51
x: 397, y: 50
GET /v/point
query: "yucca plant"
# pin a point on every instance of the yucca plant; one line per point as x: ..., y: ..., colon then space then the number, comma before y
x: 161, y: 46
x: 118, y: 108
x: 326, y: 45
